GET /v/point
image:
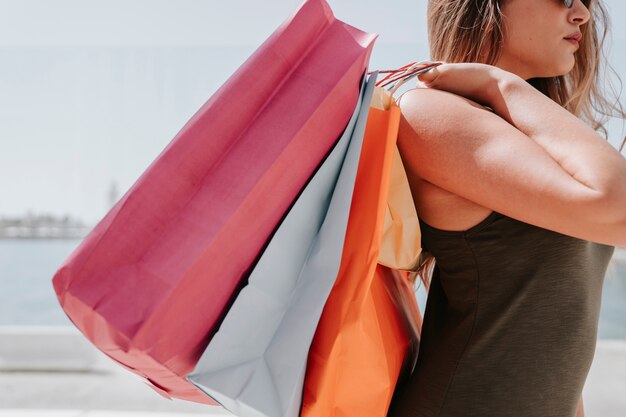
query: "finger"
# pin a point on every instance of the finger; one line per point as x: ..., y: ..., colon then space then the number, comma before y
x: 429, y: 76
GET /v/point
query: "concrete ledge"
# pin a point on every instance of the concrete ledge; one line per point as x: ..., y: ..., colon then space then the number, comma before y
x: 90, y: 413
x: 56, y: 372
x: 46, y: 348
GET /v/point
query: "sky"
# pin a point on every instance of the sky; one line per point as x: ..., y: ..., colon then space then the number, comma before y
x: 187, y: 22
x: 92, y: 91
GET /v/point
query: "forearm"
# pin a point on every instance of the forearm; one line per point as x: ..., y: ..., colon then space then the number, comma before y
x: 576, y: 147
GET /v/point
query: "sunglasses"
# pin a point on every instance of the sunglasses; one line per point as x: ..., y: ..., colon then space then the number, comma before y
x: 568, y: 3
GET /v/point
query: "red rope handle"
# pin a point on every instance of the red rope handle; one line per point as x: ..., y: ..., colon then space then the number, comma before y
x: 393, y: 72
x: 400, y: 73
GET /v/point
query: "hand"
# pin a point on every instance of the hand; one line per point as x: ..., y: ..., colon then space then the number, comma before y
x: 471, y: 80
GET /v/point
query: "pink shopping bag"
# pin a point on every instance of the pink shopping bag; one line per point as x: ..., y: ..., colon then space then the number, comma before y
x: 152, y: 281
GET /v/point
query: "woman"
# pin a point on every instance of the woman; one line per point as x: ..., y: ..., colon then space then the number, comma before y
x: 520, y: 202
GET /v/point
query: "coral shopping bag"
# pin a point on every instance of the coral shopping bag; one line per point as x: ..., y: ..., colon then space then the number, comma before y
x: 400, y: 246
x: 255, y: 364
x: 367, y: 336
x: 152, y: 281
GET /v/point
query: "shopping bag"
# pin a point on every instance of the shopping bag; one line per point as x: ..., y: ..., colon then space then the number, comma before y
x: 152, y: 281
x: 364, y: 343
x: 400, y: 245
x: 255, y: 363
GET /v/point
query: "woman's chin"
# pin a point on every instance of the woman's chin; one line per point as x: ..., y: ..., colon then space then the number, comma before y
x: 569, y: 63
x: 564, y: 68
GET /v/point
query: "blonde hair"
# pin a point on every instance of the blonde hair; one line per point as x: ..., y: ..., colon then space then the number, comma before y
x: 473, y: 31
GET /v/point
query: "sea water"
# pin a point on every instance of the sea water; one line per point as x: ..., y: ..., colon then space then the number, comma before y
x: 27, y: 296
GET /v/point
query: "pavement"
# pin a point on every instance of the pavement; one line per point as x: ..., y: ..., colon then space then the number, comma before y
x: 57, y: 373
x: 89, y: 413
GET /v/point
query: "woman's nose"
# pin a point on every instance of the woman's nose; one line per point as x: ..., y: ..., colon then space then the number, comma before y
x: 579, y: 12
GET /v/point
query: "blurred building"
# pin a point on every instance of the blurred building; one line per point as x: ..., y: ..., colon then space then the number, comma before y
x: 42, y: 226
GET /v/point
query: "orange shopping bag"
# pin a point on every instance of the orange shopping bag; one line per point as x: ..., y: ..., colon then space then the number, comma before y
x: 367, y: 335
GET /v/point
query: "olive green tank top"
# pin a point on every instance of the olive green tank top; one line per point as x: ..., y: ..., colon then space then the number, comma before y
x: 510, y: 323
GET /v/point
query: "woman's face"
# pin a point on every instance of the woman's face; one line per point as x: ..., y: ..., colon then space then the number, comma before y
x: 534, y: 32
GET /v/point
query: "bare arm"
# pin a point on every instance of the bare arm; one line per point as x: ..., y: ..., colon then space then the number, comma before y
x: 576, y: 147
x: 460, y: 147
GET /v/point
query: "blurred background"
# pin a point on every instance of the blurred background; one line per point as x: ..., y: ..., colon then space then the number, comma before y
x: 90, y: 93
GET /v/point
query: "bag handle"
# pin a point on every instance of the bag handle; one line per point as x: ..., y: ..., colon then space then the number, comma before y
x: 403, y: 74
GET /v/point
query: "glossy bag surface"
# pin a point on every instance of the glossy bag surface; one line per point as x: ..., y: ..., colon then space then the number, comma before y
x: 368, y: 332
x: 152, y: 281
x: 255, y: 363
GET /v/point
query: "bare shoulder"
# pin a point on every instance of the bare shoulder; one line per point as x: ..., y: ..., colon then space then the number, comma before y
x: 423, y: 101
x: 477, y: 157
x: 435, y: 94
x: 434, y: 120
x: 436, y: 206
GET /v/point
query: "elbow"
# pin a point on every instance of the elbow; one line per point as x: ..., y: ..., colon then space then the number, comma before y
x: 613, y: 209
x: 615, y: 197
x: 621, y: 233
